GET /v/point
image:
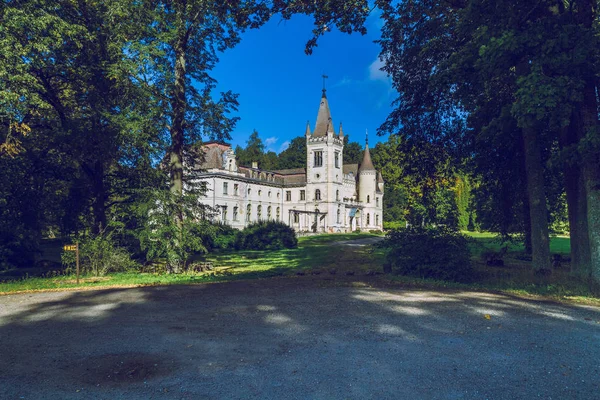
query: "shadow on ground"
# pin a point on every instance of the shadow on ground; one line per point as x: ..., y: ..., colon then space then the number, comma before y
x: 302, y: 338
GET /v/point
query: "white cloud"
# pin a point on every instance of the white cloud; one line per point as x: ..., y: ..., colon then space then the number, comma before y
x: 375, y: 72
x: 284, y: 146
x: 271, y: 141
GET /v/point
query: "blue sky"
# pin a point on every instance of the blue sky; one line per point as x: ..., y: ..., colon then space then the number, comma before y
x: 280, y: 86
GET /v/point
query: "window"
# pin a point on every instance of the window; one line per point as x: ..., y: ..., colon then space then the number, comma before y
x: 377, y: 219
x: 337, y: 159
x: 318, y: 159
x: 259, y: 192
x: 368, y: 219
x: 258, y: 212
x: 224, y: 188
x: 337, y: 195
x: 317, y: 194
x: 235, y: 189
x: 249, y: 191
x: 269, y: 193
x: 277, y: 194
x: 278, y: 213
x: 235, y: 213
x: 248, y: 212
x: 269, y: 212
x: 288, y: 195
x: 296, y: 217
x: 338, y: 215
x: 303, y: 195
x: 368, y: 199
x: 377, y: 201
x: 224, y: 213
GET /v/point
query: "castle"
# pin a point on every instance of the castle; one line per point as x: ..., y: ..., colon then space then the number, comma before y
x: 325, y: 196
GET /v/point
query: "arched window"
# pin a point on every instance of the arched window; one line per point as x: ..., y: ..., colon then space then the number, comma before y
x: 337, y: 195
x: 296, y: 218
x: 235, y: 213
x: 377, y: 201
x: 338, y: 215
x: 318, y: 194
x: 269, y: 212
x: 278, y: 212
x: 249, y: 191
x: 377, y: 219
x: 368, y: 199
x: 368, y: 219
x: 258, y: 212
x: 248, y: 212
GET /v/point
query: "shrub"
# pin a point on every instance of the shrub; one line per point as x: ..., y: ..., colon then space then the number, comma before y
x: 266, y: 235
x: 438, y: 253
x: 224, y: 237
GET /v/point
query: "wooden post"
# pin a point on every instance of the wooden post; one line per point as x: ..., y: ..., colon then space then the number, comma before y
x: 77, y: 259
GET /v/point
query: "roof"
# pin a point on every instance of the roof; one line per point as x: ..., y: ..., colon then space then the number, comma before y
x: 293, y: 171
x: 366, y: 164
x: 379, y: 177
x: 324, y: 121
x: 350, y: 168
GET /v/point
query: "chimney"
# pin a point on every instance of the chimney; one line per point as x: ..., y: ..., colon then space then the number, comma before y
x: 255, y: 164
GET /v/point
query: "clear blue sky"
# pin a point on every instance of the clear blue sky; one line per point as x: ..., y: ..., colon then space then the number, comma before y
x: 280, y: 86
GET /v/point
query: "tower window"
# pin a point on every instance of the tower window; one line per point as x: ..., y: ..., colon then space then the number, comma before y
x: 377, y: 201
x: 337, y: 159
x: 317, y: 194
x: 368, y: 199
x: 377, y: 219
x: 318, y: 159
x: 338, y: 215
x: 288, y: 195
x: 337, y: 195
x: 368, y: 219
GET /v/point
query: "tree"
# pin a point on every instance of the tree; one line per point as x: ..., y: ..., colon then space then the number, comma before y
x: 353, y: 152
x: 295, y: 154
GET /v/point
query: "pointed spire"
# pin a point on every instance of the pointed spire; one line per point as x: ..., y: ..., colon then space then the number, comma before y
x: 379, y: 177
x: 341, y: 130
x: 323, y: 118
x: 307, y: 132
x: 366, y: 164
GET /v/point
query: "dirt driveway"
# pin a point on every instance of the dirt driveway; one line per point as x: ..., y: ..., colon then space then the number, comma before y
x: 294, y: 338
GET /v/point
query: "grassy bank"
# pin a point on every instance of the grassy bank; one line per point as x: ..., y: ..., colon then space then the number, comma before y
x: 313, y: 253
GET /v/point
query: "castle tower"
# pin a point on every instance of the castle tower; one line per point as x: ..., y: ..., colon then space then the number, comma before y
x: 367, y: 190
x: 324, y: 171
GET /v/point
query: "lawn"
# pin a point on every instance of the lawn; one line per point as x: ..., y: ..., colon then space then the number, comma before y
x: 314, y: 253
x: 320, y: 255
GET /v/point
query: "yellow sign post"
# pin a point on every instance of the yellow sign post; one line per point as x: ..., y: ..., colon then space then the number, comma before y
x: 75, y: 248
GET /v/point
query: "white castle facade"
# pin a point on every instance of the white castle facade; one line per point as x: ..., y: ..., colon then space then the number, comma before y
x: 325, y: 196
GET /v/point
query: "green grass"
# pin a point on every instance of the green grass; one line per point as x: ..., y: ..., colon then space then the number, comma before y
x: 313, y: 252
x: 320, y: 253
x: 486, y: 241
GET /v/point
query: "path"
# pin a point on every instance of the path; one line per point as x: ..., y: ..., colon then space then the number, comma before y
x: 294, y: 338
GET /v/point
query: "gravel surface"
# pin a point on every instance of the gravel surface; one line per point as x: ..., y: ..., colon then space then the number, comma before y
x: 295, y: 338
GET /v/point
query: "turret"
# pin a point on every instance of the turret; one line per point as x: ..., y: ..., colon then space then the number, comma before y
x: 367, y: 178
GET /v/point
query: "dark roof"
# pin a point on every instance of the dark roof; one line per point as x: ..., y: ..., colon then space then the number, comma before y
x: 350, y: 168
x: 366, y: 164
x: 293, y: 171
x: 324, y: 121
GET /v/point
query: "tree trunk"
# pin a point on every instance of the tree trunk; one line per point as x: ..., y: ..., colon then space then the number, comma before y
x: 576, y: 201
x: 591, y: 177
x: 178, y: 105
x: 586, y: 15
x: 526, y: 225
x: 538, y: 210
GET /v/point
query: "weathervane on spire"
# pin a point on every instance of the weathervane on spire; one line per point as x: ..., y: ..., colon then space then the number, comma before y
x: 324, y: 77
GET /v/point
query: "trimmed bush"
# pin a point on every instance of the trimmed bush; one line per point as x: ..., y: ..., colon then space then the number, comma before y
x: 266, y: 235
x: 436, y: 253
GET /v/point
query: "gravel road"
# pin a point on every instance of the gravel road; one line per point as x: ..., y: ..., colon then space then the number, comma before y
x: 295, y: 338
